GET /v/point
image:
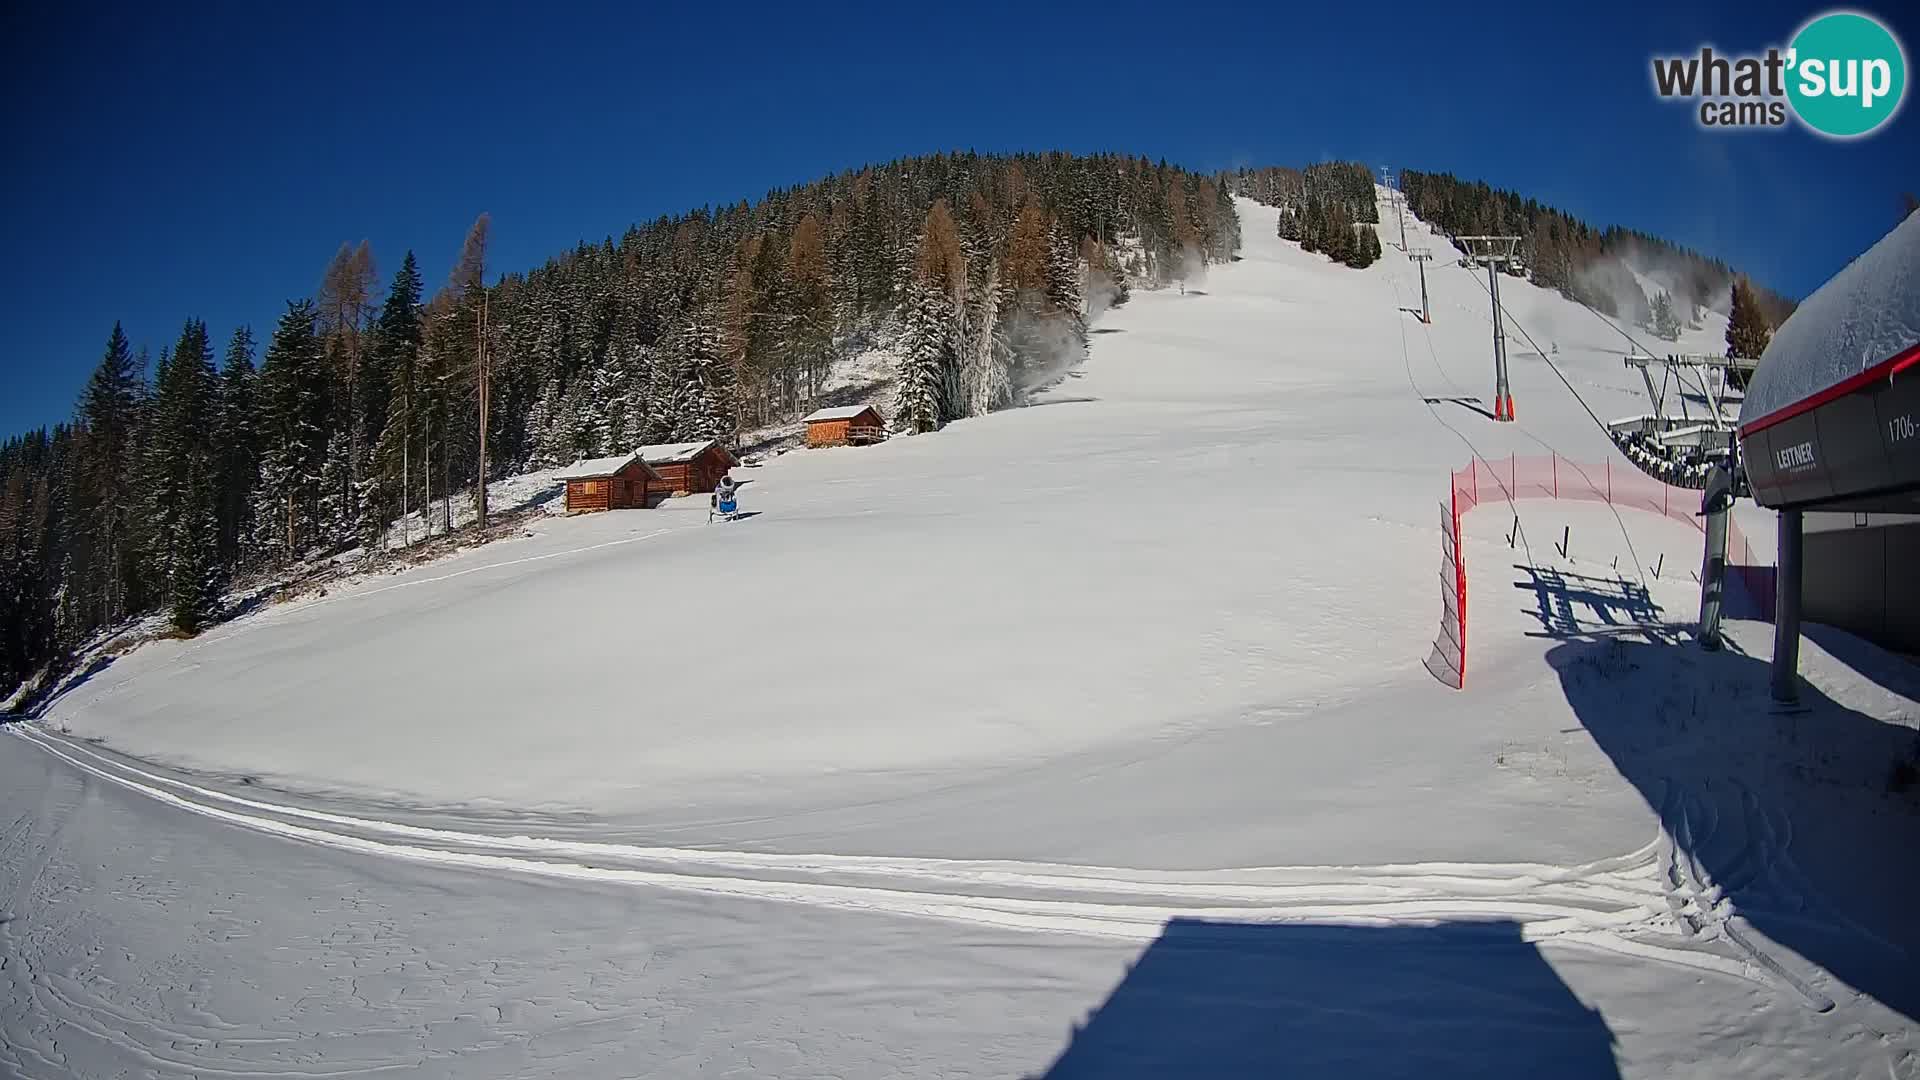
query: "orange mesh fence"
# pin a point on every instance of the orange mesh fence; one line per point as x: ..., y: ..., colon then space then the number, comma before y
x: 1554, y: 477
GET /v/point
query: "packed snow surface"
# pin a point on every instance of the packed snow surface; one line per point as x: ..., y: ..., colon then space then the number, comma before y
x: 1085, y: 739
x: 1164, y: 596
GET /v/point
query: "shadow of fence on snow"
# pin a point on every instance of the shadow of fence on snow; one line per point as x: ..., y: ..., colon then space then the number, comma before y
x: 1581, y: 606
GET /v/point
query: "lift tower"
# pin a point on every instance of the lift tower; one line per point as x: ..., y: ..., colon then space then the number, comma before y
x: 1420, y: 257
x: 1495, y: 250
x: 1397, y: 201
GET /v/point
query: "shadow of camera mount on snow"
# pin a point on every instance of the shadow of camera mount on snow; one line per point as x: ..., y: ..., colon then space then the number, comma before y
x: 1223, y: 999
x: 1798, y: 819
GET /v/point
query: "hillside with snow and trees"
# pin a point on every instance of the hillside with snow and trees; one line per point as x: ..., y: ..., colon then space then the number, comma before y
x: 1079, y: 728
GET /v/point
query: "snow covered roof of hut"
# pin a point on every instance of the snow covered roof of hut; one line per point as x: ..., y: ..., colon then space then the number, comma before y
x: 599, y: 468
x: 676, y: 453
x: 844, y: 412
x: 1851, y: 331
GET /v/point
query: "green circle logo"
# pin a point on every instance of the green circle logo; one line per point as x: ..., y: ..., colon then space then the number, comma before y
x: 1847, y: 74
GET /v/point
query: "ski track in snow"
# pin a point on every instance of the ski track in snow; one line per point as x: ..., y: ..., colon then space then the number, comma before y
x: 1653, y: 903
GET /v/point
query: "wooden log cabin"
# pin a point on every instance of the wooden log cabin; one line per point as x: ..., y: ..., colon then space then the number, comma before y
x: 686, y: 468
x: 850, y: 425
x: 608, y: 483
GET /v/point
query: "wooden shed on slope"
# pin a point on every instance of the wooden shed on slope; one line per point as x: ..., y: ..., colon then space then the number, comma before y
x: 849, y: 425
x: 686, y: 468
x: 608, y: 483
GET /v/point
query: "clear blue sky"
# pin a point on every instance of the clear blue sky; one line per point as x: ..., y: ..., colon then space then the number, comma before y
x: 207, y: 164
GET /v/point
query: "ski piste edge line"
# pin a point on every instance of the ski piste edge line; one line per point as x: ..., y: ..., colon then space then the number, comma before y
x: 1589, y: 927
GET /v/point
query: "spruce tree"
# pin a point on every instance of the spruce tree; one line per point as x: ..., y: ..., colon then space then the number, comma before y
x: 236, y: 450
x: 925, y: 350
x: 390, y: 401
x: 1365, y: 249
x: 702, y: 387
x: 1337, y: 238
x: 196, y: 578
x: 1748, y: 330
x: 1666, y: 324
x: 1063, y: 291
x: 986, y: 376
x: 108, y: 413
x: 180, y: 440
x: 336, y: 523
x: 1313, y: 220
x: 294, y: 435
x: 773, y: 357
x: 931, y: 326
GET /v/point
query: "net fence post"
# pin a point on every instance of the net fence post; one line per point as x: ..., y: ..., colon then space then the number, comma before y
x: 1460, y: 590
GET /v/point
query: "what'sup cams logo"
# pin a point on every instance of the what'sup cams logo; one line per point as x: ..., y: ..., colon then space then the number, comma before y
x: 1843, y: 75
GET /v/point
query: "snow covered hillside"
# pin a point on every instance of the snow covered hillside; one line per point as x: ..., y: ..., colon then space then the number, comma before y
x: 1222, y: 528
x: 1142, y: 657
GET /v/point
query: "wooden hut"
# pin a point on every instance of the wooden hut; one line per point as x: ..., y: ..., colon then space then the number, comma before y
x: 686, y: 468
x: 849, y: 425
x: 608, y: 483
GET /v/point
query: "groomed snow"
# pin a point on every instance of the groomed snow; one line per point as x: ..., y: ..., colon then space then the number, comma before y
x: 1200, y: 551
x: 1127, y: 762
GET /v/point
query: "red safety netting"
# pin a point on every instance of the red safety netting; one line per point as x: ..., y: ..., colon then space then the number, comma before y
x: 1554, y: 477
x: 1448, y: 661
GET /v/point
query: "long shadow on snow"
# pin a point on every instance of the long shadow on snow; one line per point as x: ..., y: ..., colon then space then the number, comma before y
x: 1471, y: 404
x: 1896, y: 673
x: 1458, y: 1000
x: 1796, y: 816
x: 1569, y: 605
x: 37, y: 706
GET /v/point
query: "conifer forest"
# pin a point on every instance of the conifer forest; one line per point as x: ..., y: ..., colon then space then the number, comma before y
x: 190, y: 467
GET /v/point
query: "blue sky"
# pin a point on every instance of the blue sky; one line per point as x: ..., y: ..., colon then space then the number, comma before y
x: 208, y: 164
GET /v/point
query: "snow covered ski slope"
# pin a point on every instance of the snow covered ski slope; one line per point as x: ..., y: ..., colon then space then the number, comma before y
x: 1139, y: 665
x: 1220, y: 531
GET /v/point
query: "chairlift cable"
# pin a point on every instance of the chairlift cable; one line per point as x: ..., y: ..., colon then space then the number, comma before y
x: 1632, y: 552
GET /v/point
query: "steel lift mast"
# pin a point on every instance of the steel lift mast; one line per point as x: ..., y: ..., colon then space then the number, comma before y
x: 1420, y: 257
x: 1495, y: 250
